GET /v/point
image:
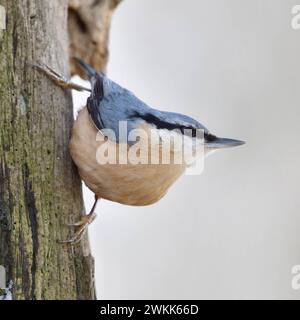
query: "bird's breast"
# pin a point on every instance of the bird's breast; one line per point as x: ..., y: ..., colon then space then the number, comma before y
x: 100, y: 168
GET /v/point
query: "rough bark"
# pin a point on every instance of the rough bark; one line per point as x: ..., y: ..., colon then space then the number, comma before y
x: 40, y: 190
x: 89, y: 24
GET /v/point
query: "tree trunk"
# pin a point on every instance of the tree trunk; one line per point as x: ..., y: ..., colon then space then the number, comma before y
x: 40, y: 190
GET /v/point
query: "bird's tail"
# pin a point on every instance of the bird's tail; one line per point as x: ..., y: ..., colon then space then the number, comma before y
x: 86, y: 67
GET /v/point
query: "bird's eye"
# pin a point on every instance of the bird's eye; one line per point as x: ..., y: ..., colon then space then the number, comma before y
x: 209, y: 137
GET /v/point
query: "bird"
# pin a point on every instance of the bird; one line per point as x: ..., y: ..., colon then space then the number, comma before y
x: 137, y: 184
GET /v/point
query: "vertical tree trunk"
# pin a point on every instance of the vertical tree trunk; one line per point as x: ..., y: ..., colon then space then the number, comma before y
x: 40, y: 191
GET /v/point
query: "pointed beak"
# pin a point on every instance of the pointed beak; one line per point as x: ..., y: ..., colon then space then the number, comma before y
x: 222, y: 143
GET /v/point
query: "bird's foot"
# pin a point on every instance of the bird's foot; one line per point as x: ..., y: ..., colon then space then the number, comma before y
x: 81, y: 227
x: 58, y: 79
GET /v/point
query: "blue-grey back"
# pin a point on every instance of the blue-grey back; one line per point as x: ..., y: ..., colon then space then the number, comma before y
x: 110, y: 103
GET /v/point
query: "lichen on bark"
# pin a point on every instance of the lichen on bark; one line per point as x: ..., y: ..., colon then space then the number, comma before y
x: 40, y: 190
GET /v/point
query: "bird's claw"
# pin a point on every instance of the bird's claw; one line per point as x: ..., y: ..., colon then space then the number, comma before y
x: 82, y: 225
x: 77, y: 237
x: 58, y: 79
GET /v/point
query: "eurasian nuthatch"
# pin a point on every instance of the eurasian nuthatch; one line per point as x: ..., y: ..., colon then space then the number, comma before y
x: 131, y: 183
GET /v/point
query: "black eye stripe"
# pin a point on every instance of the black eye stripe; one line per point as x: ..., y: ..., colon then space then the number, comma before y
x: 161, y: 124
x: 209, y: 137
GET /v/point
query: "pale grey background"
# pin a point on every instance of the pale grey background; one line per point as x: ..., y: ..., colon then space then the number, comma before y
x: 232, y: 232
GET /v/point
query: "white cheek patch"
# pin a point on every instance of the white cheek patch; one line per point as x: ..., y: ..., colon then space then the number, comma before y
x: 173, y: 138
x: 184, y: 146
